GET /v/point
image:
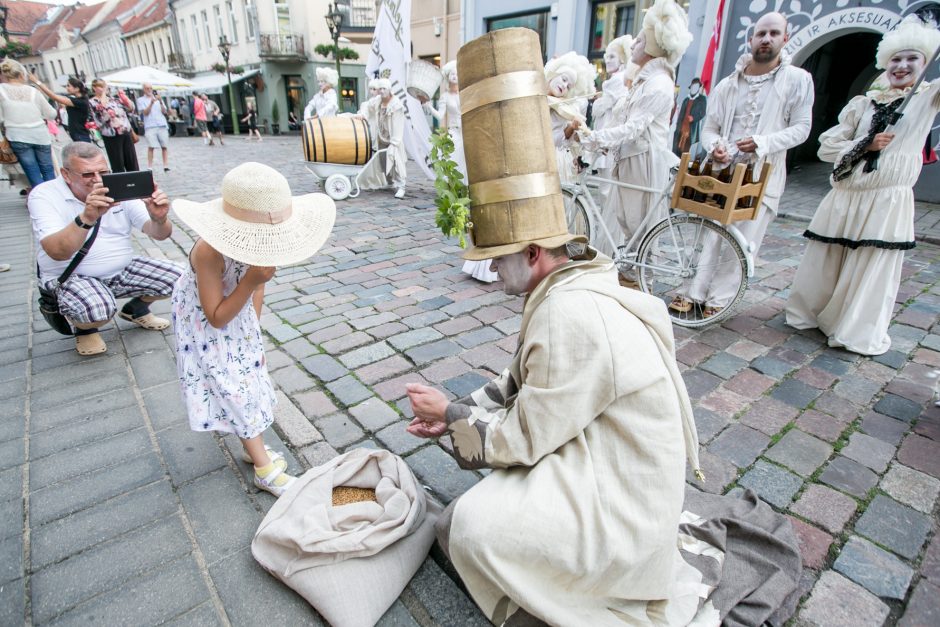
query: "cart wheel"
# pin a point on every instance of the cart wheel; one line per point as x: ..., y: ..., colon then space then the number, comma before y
x: 337, y: 186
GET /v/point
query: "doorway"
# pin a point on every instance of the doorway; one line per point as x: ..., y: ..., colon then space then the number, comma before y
x: 296, y: 98
x: 842, y: 69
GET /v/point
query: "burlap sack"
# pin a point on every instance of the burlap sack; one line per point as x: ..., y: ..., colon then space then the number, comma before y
x: 350, y: 562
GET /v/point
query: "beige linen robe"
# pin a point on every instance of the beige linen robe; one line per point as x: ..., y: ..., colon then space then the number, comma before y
x: 588, y: 430
x: 387, y: 168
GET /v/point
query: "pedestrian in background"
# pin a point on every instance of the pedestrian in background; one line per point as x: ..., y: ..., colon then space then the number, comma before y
x: 76, y: 102
x: 202, y: 118
x: 252, y: 120
x: 153, y: 115
x: 23, y: 113
x: 214, y: 113
x: 111, y: 117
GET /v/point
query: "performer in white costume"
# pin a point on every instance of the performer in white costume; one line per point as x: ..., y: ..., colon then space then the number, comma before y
x: 324, y: 103
x: 638, y: 139
x: 369, y: 109
x: 448, y: 114
x: 570, y: 79
x: 849, y: 276
x: 389, y: 131
x: 756, y: 114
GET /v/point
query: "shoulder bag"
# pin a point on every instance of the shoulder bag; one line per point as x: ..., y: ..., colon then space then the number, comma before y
x: 49, y: 302
x: 7, y: 156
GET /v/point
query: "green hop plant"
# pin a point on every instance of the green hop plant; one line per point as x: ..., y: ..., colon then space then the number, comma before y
x: 453, y: 197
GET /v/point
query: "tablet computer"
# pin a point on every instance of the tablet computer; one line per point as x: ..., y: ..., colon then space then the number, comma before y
x: 129, y: 185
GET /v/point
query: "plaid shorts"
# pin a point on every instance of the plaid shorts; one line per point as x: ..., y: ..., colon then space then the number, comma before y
x: 85, y: 299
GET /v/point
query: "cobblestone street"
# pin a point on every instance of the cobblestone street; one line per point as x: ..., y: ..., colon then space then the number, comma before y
x: 113, y: 511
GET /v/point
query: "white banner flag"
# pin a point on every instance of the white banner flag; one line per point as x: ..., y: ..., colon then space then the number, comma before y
x: 389, y: 58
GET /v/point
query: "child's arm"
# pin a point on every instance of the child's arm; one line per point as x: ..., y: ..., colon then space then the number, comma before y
x: 209, y: 266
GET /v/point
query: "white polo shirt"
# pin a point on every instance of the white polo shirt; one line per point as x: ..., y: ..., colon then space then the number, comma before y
x: 52, y: 206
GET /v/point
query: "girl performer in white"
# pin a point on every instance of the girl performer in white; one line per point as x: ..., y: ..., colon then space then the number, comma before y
x: 449, y: 116
x: 324, y: 103
x: 570, y: 79
x: 639, y: 138
x: 849, y: 276
x: 389, y: 131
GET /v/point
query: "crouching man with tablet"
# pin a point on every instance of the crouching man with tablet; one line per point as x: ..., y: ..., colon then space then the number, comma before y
x: 74, y: 208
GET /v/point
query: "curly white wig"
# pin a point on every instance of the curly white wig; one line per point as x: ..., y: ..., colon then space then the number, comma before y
x: 382, y: 83
x: 621, y: 47
x: 328, y: 75
x: 666, y: 27
x: 450, y: 66
x: 581, y: 73
x: 911, y: 34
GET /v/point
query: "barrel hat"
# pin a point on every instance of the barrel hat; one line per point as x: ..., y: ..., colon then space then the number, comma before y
x: 514, y: 189
x: 257, y: 221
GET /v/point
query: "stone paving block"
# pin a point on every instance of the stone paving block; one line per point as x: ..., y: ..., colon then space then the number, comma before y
x: 440, y: 472
x: 73, y: 534
x: 830, y: 364
x: 838, y: 602
x: 64, y: 498
x: 383, y: 369
x: 869, y: 451
x: 11, y: 516
x: 465, y: 384
x: 884, y: 428
x: 427, y: 353
x: 397, y: 616
x: 13, y: 602
x: 898, y: 407
x: 318, y: 453
x: 800, y: 452
x: 719, y: 473
x: 750, y: 384
x: 708, y: 424
x: 85, y: 456
x: 443, y: 600
x: 314, y: 403
x: 825, y: 506
x: 11, y: 483
x: 396, y: 439
x: 298, y: 348
x: 923, y: 608
x: 699, y: 383
x: 803, y: 344
x: 61, y: 586
x: 723, y: 365
x: 772, y: 483
x: 368, y: 322
x: 426, y: 319
x: 823, y: 426
x: 718, y: 337
x: 477, y: 337
x: 11, y: 559
x: 772, y: 367
x: 911, y: 390
x: 329, y: 333
x: 880, y: 572
x: 282, y: 332
x: 374, y: 414
x: 202, y: 615
x: 895, y: 526
x: 293, y: 379
x: 339, y: 430
x: 165, y: 406
x: 92, y: 386
x: 893, y: 359
x: 844, y: 474
x: 815, y: 377
x: 857, y: 389
x: 692, y: 353
x: 795, y: 393
x: 347, y: 342
x: 348, y: 390
x: 324, y: 367
x: 367, y: 355
x: 189, y: 454
x: 746, y: 350
x: 214, y: 503
x: 921, y: 453
x: 739, y: 444
x: 404, y: 341
x: 509, y: 325
x: 837, y: 406
x: 387, y: 330
x: 294, y: 425
x: 911, y: 487
x: 814, y: 543
x: 769, y: 415
x: 150, y: 599
x: 270, y: 601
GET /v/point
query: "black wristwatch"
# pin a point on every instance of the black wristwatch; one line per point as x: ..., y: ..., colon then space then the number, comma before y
x: 78, y: 222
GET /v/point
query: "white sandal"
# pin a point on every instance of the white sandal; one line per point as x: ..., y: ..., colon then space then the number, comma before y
x: 276, y: 458
x: 267, y: 483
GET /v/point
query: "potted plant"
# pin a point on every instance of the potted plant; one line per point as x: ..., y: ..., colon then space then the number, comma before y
x: 275, y: 119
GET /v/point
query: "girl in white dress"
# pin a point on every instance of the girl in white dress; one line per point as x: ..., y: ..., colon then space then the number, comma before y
x: 850, y: 274
x: 254, y: 226
x: 570, y: 79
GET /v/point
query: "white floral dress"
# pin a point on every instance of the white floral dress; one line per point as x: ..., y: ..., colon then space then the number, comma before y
x: 222, y: 372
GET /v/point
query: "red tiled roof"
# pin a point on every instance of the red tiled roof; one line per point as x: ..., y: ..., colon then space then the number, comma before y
x: 82, y: 15
x: 153, y: 13
x: 23, y: 15
x: 46, y: 35
x: 124, y: 6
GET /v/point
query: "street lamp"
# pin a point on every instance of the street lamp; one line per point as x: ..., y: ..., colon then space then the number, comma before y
x: 225, y: 48
x: 334, y: 21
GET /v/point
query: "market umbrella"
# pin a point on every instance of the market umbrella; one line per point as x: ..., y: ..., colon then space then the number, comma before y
x: 135, y: 77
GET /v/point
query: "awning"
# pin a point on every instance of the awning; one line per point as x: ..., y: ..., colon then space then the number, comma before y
x: 215, y: 83
x: 135, y: 77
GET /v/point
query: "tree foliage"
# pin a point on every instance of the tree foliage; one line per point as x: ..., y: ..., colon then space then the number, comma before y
x: 327, y: 50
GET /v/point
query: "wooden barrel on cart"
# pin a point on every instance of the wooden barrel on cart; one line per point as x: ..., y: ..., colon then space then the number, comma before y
x: 341, y: 139
x: 511, y: 165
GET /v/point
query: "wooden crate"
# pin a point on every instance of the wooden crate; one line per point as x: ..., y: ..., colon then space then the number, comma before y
x: 729, y: 211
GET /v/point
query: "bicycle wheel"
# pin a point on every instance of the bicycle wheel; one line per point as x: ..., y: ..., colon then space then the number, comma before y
x: 686, y: 257
x: 576, y: 215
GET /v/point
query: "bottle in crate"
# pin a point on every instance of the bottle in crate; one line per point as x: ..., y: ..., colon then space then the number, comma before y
x: 747, y: 202
x: 702, y: 196
x: 687, y: 191
x: 724, y: 176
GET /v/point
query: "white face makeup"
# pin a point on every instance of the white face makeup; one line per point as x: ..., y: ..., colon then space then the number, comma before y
x: 638, y: 49
x: 514, y: 271
x: 385, y: 93
x: 373, y: 92
x: 324, y: 86
x: 559, y: 86
x: 452, y: 77
x: 611, y: 61
x: 904, y: 67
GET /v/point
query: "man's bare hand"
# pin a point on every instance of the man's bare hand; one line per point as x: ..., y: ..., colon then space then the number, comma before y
x: 97, y: 203
x: 747, y: 144
x: 423, y: 429
x: 880, y: 142
x: 158, y: 205
x: 720, y: 154
x: 429, y: 406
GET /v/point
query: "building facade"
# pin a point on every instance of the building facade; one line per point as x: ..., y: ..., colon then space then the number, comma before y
x: 436, y: 33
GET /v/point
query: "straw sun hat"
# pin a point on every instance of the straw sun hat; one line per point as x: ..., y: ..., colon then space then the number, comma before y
x: 257, y: 221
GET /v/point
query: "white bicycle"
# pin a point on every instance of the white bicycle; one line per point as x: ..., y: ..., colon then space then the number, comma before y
x: 678, y: 256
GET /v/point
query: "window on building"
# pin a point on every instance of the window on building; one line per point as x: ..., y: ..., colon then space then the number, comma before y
x: 52, y: 70
x: 162, y: 52
x: 250, y: 20
x: 205, y: 26
x: 220, y: 27
x: 153, y: 49
x: 282, y: 18
x: 232, y: 21
x: 184, y: 38
x: 537, y: 21
x: 61, y: 69
x: 610, y: 20
x: 140, y: 54
x: 196, y: 38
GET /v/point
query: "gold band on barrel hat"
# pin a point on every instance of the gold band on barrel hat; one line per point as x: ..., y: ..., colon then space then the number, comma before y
x: 512, y: 172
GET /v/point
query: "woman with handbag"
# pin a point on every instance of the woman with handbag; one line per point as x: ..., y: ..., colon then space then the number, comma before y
x: 111, y: 117
x: 77, y: 102
x: 23, y: 112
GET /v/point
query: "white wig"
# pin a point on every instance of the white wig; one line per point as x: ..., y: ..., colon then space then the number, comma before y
x: 621, y: 47
x: 328, y: 75
x: 580, y: 72
x: 666, y: 27
x: 450, y: 66
x: 372, y: 83
x: 382, y: 83
x: 911, y: 34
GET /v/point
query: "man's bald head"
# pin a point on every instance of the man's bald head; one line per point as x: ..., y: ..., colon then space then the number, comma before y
x: 770, y: 34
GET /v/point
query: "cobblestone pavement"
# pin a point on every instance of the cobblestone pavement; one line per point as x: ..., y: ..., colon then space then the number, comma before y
x: 114, y: 511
